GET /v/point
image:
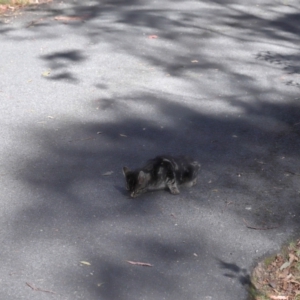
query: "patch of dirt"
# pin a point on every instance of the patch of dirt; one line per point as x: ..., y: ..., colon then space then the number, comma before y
x: 11, y: 6
x: 278, y: 276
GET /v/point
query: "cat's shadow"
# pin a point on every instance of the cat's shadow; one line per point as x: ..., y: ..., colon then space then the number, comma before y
x: 122, y: 190
x: 125, y: 193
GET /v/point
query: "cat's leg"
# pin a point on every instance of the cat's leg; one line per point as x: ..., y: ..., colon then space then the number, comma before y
x: 170, y: 177
x: 174, y: 190
x: 194, y: 182
x: 172, y: 185
x: 191, y: 174
x: 190, y: 183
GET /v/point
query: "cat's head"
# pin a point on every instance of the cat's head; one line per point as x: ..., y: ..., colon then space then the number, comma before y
x: 136, y: 181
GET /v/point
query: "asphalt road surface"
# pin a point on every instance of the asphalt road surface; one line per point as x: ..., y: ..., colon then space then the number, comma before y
x: 87, y: 87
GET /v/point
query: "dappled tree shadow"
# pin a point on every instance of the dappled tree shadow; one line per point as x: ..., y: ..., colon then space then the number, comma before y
x: 243, y: 163
x: 245, y: 134
x: 234, y: 271
x: 290, y: 64
x: 268, y: 153
x: 125, y: 25
x: 60, y: 61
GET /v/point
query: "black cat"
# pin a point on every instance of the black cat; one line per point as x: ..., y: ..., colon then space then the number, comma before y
x: 160, y: 173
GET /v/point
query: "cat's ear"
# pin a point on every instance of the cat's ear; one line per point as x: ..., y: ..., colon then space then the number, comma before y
x: 125, y: 171
x: 141, y: 177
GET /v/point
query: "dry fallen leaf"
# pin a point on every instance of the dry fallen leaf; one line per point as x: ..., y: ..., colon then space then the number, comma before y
x: 3, y: 7
x: 292, y: 257
x: 71, y: 18
x: 274, y: 297
x: 277, y: 278
x: 85, y: 263
x: 285, y: 265
x: 38, y: 289
x: 46, y: 73
x: 107, y: 173
x: 139, y: 263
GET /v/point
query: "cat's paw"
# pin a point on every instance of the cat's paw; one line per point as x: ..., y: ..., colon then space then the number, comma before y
x: 174, y: 191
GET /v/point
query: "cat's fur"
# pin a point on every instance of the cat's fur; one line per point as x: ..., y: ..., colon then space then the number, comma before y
x: 160, y: 173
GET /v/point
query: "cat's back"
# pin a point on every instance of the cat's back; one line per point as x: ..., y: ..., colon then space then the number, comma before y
x: 161, y: 165
x: 177, y: 163
x: 188, y: 162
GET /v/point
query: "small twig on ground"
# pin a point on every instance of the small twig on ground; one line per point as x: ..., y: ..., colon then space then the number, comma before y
x: 81, y: 18
x: 38, y: 289
x: 296, y: 174
x: 32, y: 23
x: 86, y: 139
x: 259, y: 228
x: 139, y: 263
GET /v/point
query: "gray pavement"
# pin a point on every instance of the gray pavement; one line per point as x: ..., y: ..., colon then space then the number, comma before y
x: 118, y: 84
